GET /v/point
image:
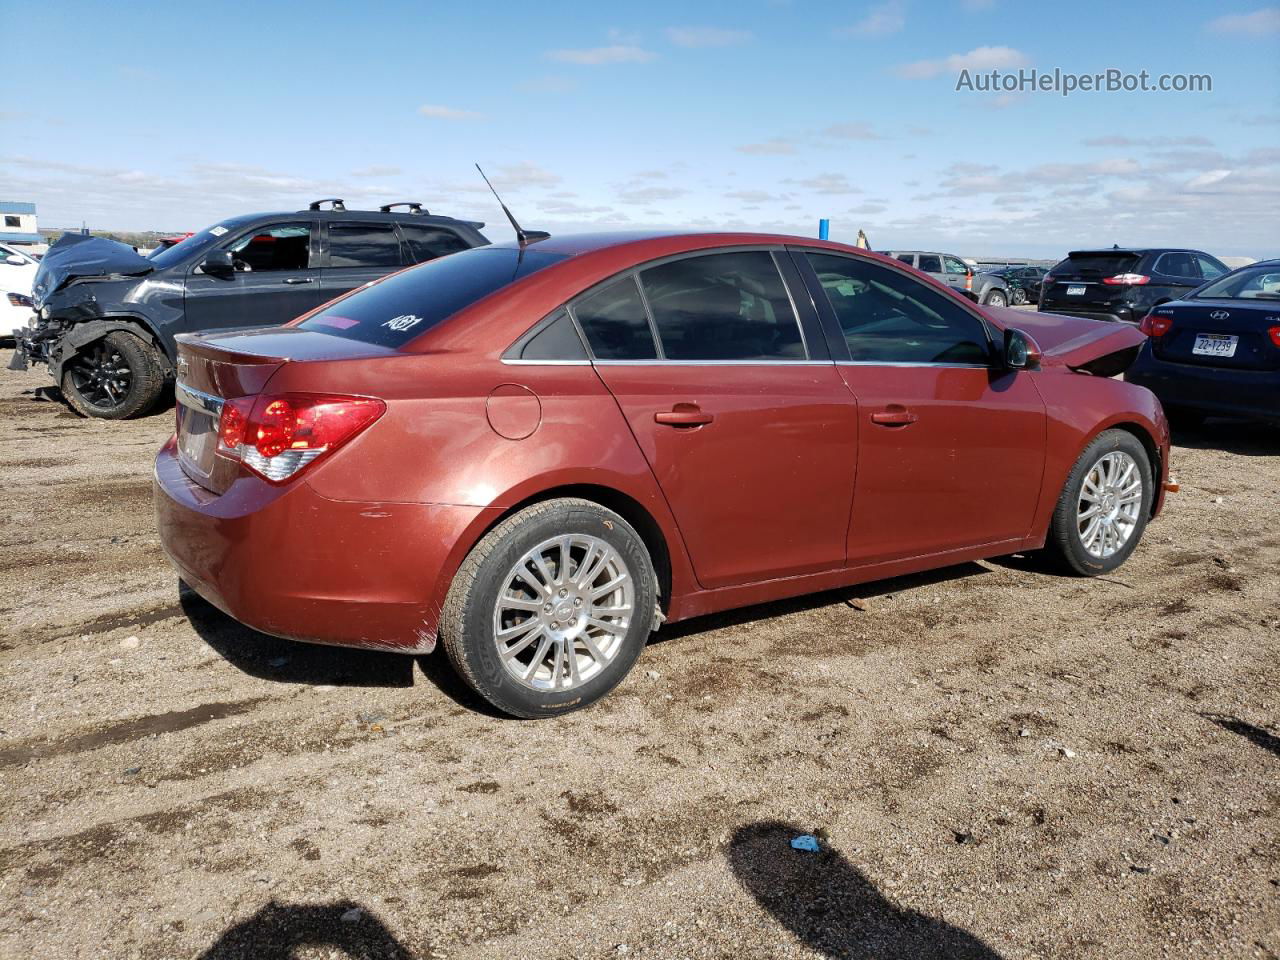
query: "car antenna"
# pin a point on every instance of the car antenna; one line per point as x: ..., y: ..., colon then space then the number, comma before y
x: 523, y: 236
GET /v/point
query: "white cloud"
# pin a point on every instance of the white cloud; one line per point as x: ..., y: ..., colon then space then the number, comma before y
x: 518, y: 175
x: 595, y: 56
x: 880, y: 21
x: 827, y: 183
x: 851, y: 131
x: 707, y: 36
x: 979, y: 58
x: 1207, y: 179
x: 446, y: 113
x: 650, y: 194
x: 771, y: 147
x: 1264, y: 21
x: 1118, y: 141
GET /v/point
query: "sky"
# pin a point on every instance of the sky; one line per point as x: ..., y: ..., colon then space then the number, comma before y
x: 756, y: 114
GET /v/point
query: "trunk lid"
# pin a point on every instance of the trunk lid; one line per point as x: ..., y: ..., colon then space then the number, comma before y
x: 1078, y: 280
x: 76, y: 255
x: 224, y: 365
x: 1230, y: 334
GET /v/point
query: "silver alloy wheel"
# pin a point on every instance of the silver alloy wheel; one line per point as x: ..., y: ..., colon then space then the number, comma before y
x: 563, y: 612
x: 1110, y: 504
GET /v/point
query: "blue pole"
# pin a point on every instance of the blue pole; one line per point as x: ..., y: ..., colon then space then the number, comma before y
x: 824, y: 228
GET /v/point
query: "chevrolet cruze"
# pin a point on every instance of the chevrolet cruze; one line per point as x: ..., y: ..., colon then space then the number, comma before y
x: 538, y: 453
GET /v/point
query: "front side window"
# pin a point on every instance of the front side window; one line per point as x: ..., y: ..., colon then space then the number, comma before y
x: 723, y: 306
x: 363, y: 245
x: 427, y: 242
x: 956, y: 267
x: 887, y: 317
x: 930, y: 263
x: 282, y: 246
x: 615, y: 323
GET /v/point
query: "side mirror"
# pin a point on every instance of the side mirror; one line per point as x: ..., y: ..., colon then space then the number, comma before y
x: 1020, y: 351
x: 219, y: 264
x: 15, y: 261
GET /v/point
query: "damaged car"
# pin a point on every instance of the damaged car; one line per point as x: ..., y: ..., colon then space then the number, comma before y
x: 538, y: 453
x: 105, y: 317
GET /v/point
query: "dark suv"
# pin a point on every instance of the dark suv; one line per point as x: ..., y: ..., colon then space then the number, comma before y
x: 1123, y: 284
x: 106, y: 317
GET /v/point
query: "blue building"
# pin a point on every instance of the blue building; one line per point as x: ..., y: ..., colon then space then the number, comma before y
x: 18, y: 223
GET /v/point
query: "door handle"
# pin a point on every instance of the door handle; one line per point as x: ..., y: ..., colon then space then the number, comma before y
x: 683, y: 415
x: 294, y: 280
x: 894, y: 416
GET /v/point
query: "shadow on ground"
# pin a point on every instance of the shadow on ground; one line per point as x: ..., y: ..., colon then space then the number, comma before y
x: 1255, y: 735
x: 1244, y: 437
x: 279, y: 931
x: 830, y: 906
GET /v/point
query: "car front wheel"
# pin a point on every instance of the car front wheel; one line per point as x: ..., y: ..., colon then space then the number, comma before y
x: 1104, y: 507
x: 995, y: 299
x: 113, y: 378
x: 551, y: 608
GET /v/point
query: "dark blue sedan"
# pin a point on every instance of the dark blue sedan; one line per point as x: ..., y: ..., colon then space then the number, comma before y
x: 1217, y: 350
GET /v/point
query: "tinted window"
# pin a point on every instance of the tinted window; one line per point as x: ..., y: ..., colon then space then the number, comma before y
x: 363, y: 245
x: 723, y: 306
x: 1096, y: 265
x: 1182, y: 265
x: 281, y: 246
x: 908, y: 258
x: 1209, y: 267
x: 427, y: 242
x: 615, y: 322
x: 890, y: 318
x: 930, y: 263
x: 558, y: 340
x: 395, y: 310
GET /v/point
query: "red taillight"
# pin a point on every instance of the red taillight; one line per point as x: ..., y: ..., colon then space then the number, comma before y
x: 1274, y: 334
x: 276, y: 436
x: 1121, y: 279
x: 1155, y: 326
x: 1047, y: 279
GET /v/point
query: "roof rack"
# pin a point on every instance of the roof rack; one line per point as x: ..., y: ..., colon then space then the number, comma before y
x: 414, y: 207
x: 336, y: 203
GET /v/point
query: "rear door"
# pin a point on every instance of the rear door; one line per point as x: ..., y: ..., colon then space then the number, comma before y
x: 951, y: 447
x: 276, y: 279
x: 931, y: 263
x: 357, y: 252
x: 743, y: 418
x: 1174, y: 273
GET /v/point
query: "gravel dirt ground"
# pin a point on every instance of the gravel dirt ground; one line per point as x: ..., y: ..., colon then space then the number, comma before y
x: 1000, y: 762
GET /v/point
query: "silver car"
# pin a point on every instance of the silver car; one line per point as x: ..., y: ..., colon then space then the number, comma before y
x: 955, y: 273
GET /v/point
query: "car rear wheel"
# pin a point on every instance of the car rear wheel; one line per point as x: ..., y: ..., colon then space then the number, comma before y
x: 551, y: 609
x: 116, y: 377
x: 1105, y: 505
x: 995, y: 299
x: 1019, y: 297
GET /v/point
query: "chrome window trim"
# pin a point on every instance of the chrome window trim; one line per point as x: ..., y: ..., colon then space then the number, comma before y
x: 912, y: 363
x: 198, y: 399
x: 518, y: 362
x: 712, y: 363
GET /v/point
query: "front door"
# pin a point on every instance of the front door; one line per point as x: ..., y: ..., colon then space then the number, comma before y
x: 746, y: 424
x: 951, y: 445
x: 274, y: 280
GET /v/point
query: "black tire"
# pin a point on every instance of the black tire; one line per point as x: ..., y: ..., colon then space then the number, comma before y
x: 467, y: 620
x: 116, y: 377
x: 1019, y: 297
x: 996, y: 298
x: 1065, y: 542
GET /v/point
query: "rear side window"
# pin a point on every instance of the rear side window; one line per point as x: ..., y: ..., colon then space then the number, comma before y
x: 1177, y: 264
x: 427, y: 242
x: 723, y: 306
x: 930, y: 264
x: 1096, y: 265
x: 395, y: 310
x: 363, y: 245
x: 615, y: 323
x: 887, y: 317
x: 908, y: 258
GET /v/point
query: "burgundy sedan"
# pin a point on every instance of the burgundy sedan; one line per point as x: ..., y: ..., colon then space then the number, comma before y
x: 539, y: 453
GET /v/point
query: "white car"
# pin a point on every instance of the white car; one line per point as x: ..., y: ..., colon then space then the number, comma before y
x: 17, y: 272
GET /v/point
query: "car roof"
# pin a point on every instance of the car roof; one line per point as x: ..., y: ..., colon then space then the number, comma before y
x: 1138, y: 251
x: 349, y: 215
x: 670, y: 242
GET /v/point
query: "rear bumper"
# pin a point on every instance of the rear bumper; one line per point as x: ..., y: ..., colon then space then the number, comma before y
x: 1114, y: 315
x: 291, y: 563
x: 1234, y: 393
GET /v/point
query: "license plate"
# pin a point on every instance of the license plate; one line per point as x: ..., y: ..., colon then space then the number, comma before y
x: 1075, y: 290
x: 1215, y: 345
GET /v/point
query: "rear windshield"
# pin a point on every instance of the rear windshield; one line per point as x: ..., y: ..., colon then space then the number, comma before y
x: 1259, y: 283
x: 1104, y: 264
x: 406, y: 305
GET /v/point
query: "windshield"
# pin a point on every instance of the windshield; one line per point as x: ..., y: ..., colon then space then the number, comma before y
x: 193, y: 246
x: 405, y: 305
x: 1249, y: 283
x: 1100, y: 264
